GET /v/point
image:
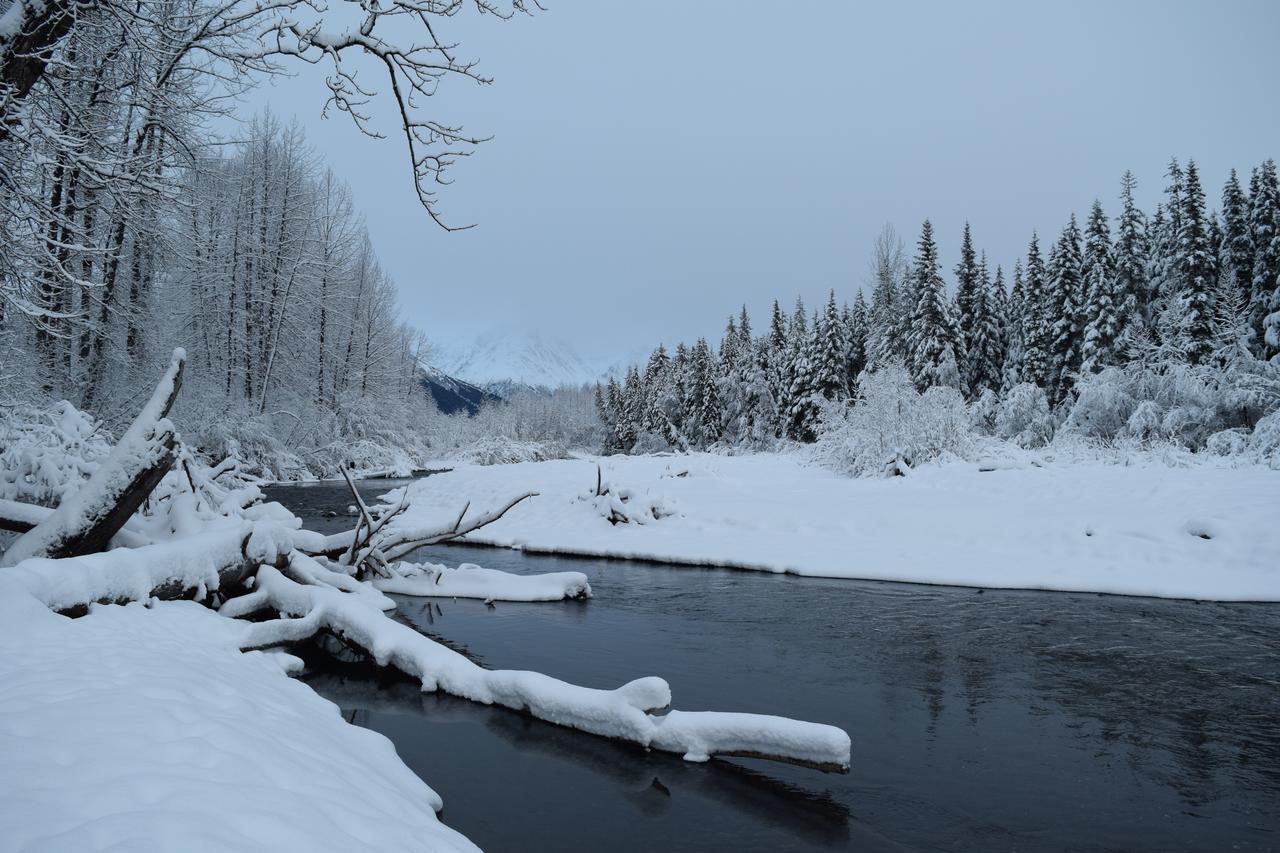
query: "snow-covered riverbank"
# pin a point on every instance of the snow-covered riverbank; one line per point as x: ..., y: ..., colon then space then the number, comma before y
x: 146, y: 728
x: 1206, y: 531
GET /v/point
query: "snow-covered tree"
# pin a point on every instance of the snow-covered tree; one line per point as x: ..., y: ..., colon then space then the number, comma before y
x: 1065, y: 292
x: 1037, y: 320
x: 933, y: 340
x: 1196, y: 270
x: 830, y: 353
x: 1104, y: 306
x: 1264, y: 297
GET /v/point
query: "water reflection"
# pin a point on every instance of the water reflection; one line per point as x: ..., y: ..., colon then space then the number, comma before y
x: 650, y: 783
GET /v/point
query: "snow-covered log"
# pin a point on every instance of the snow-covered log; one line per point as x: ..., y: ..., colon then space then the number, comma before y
x: 432, y: 580
x: 190, y: 566
x: 85, y: 521
x: 626, y: 713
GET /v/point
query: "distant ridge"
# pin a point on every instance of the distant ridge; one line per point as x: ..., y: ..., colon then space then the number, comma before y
x: 454, y: 395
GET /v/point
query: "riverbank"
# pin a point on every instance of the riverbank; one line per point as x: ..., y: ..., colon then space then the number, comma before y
x: 146, y: 727
x: 1205, y: 531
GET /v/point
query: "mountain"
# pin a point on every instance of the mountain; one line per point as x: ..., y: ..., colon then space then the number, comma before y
x: 505, y: 360
x: 453, y: 395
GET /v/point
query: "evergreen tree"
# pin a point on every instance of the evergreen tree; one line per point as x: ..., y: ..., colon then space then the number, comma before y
x: 801, y: 400
x: 613, y: 415
x: 1130, y: 261
x: 1264, y: 296
x: 657, y: 395
x: 705, y: 395
x: 1165, y: 231
x: 967, y: 305
x: 777, y: 358
x: 1065, y: 306
x: 933, y: 340
x: 629, y: 410
x: 830, y: 355
x: 1195, y: 270
x: 798, y: 373
x: 983, y: 348
x: 1015, y: 336
x: 1037, y: 330
x: 858, y: 334
x: 1103, y: 307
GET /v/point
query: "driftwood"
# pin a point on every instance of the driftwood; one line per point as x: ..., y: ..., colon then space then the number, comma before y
x: 392, y: 543
x: 86, y: 522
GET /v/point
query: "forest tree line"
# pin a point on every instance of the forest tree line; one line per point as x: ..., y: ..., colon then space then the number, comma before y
x: 1183, y: 287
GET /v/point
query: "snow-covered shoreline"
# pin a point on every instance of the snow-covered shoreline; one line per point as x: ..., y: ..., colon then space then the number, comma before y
x: 1205, y: 531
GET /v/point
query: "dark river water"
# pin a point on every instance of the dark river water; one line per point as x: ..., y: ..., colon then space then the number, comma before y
x: 982, y: 721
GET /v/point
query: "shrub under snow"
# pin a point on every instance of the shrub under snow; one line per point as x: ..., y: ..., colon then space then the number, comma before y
x: 500, y: 450
x: 890, y: 423
x: 1163, y: 401
x: 1023, y: 416
x: 47, y: 452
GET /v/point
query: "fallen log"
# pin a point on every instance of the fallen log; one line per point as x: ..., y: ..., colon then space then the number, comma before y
x: 187, y: 567
x: 86, y: 521
x: 627, y: 713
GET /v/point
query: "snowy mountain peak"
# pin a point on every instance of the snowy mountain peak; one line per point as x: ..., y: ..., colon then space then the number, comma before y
x: 505, y: 359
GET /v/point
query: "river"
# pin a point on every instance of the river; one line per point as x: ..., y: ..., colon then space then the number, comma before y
x: 981, y: 720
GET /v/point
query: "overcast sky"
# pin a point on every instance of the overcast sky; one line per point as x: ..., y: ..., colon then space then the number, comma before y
x: 656, y: 164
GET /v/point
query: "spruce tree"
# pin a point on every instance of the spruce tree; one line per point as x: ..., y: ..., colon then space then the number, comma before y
x: 830, y: 357
x: 1103, y: 308
x: 777, y: 357
x: 1264, y: 295
x: 932, y: 340
x: 797, y: 387
x: 1196, y: 275
x: 1130, y: 261
x: 1037, y: 331
x: 983, y: 349
x: 1065, y: 302
x: 706, y: 397
x: 801, y: 400
x: 1015, y: 336
x: 1000, y: 314
x: 967, y: 299
x: 858, y: 334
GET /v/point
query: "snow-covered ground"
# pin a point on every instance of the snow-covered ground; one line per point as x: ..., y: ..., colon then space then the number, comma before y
x: 1205, y: 531
x: 148, y: 729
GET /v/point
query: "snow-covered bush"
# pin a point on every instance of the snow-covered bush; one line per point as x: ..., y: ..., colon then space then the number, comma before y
x: 500, y: 450
x: 1023, y: 416
x: 47, y: 452
x: 1228, y: 442
x: 1172, y: 401
x: 1264, y: 441
x: 890, y: 424
x: 982, y: 411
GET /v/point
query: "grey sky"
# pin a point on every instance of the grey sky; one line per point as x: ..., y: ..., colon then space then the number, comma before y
x: 657, y: 164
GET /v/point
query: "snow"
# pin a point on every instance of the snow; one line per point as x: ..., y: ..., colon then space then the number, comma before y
x: 432, y: 580
x: 1031, y: 523
x: 147, y: 729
